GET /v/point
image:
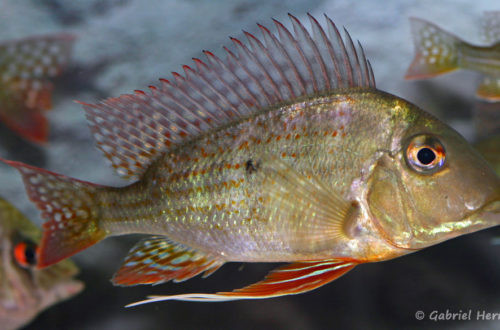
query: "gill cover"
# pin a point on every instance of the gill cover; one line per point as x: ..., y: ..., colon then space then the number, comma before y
x: 432, y: 187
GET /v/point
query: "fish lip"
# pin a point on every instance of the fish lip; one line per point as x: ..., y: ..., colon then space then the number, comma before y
x: 486, y: 216
x: 490, y: 208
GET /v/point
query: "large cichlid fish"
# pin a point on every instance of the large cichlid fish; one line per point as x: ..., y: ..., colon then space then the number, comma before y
x: 438, y: 52
x: 25, y: 291
x: 283, y: 152
x: 26, y: 69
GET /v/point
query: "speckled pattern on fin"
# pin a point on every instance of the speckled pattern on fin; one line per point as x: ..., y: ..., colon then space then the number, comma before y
x: 318, y: 213
x: 491, y: 26
x: 68, y: 205
x: 435, y: 50
x: 293, y: 278
x: 26, y: 65
x: 132, y: 130
x: 157, y: 260
x: 489, y: 89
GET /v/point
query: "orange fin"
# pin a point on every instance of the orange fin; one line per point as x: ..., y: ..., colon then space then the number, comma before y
x: 131, y: 130
x: 30, y: 124
x: 489, y: 89
x: 293, y: 278
x: 69, y: 208
x: 157, y: 260
x: 27, y: 66
x: 436, y: 50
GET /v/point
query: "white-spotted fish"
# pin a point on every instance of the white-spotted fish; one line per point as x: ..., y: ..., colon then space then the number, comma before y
x: 438, y: 52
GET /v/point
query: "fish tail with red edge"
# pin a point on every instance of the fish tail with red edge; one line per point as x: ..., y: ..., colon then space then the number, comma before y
x: 70, y: 208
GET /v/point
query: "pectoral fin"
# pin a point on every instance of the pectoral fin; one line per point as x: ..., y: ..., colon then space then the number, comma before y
x: 289, y: 279
x: 311, y: 215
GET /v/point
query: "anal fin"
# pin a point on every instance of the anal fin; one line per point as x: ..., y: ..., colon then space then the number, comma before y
x: 157, y: 260
x: 290, y: 279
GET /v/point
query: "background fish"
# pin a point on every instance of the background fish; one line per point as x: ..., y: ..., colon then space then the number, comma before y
x: 438, y: 52
x: 490, y: 149
x: 269, y: 155
x: 26, y: 291
x: 26, y: 67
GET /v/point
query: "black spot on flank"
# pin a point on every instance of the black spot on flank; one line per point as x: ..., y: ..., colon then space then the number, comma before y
x: 250, y: 167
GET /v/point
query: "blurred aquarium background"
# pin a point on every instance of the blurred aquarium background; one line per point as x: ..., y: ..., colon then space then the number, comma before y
x: 124, y: 45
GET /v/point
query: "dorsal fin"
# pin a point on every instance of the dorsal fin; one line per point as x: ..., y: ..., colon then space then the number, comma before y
x: 132, y: 130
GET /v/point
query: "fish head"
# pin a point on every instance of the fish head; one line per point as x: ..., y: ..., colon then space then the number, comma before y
x: 25, y: 289
x: 431, y: 185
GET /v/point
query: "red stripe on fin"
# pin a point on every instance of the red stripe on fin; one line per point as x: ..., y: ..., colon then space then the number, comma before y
x: 157, y: 260
x: 69, y: 207
x: 290, y: 279
x: 132, y: 130
x: 436, y: 50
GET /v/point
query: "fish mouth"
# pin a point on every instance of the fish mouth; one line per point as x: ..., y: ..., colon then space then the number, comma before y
x: 484, y: 217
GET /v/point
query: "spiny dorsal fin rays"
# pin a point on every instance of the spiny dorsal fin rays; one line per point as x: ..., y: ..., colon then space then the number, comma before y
x: 132, y: 130
x: 289, y: 279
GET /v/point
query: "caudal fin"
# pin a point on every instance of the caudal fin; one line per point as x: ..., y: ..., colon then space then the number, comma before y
x: 70, y: 209
x: 27, y: 67
x: 436, y: 50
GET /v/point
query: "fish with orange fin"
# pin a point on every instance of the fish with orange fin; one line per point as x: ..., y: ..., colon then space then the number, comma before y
x: 26, y: 67
x: 438, y: 52
x: 283, y: 151
x: 25, y: 290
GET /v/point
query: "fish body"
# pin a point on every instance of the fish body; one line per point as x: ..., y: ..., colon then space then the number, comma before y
x: 285, y: 151
x: 26, y: 68
x: 27, y: 291
x: 208, y: 195
x: 438, y: 52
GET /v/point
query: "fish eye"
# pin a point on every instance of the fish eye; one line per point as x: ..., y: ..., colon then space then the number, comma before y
x: 425, y: 154
x: 25, y: 253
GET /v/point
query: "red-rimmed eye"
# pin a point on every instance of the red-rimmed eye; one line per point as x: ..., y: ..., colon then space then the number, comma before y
x: 425, y: 154
x: 25, y: 253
